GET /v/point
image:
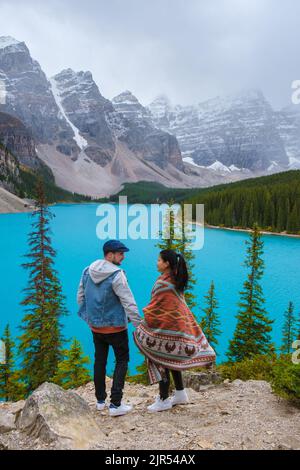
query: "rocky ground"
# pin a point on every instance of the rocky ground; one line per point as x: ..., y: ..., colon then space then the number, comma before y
x: 237, y: 415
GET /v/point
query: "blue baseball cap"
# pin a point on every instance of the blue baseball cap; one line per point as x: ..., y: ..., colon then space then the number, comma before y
x: 114, y: 245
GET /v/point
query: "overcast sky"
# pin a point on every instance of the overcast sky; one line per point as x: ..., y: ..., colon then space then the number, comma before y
x: 190, y: 50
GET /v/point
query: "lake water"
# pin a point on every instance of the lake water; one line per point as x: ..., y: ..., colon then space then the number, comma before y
x: 220, y: 259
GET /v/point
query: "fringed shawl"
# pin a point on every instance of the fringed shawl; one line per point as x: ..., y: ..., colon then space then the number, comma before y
x: 169, y: 335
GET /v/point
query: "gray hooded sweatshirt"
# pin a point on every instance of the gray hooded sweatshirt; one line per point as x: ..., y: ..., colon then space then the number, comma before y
x: 100, y: 270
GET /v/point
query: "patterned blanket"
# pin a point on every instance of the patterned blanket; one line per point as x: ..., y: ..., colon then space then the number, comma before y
x: 169, y: 335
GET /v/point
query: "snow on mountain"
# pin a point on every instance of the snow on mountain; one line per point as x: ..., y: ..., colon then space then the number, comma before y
x: 81, y: 141
x: 6, y: 41
x: 191, y: 161
x: 218, y: 166
x: 234, y: 168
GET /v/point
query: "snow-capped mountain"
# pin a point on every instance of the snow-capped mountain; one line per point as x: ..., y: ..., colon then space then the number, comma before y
x: 94, y: 145
x: 26, y: 93
x: 237, y: 131
x: 90, y: 146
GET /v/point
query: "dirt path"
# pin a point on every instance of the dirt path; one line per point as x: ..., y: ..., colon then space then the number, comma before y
x: 239, y: 415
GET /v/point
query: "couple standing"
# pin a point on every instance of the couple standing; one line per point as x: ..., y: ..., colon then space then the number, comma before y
x: 168, y: 335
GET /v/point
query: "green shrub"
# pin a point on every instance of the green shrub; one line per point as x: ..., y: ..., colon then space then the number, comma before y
x: 259, y: 367
x: 286, y: 380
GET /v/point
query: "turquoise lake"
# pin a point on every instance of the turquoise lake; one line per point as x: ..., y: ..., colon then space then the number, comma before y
x: 220, y: 259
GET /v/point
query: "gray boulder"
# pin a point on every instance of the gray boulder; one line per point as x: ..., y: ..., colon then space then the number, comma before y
x: 200, y: 380
x: 61, y: 418
x: 9, y: 414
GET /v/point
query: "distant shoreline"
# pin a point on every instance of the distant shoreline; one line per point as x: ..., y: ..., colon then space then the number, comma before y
x: 264, y: 232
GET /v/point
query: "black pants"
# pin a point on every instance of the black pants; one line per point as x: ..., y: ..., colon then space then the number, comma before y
x: 119, y: 343
x: 164, y: 384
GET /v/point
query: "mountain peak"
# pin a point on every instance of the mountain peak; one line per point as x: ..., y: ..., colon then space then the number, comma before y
x: 125, y: 97
x: 6, y: 41
x: 161, y: 99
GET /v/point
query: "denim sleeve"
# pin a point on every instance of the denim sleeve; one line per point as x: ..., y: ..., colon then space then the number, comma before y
x: 122, y: 290
x: 80, y: 291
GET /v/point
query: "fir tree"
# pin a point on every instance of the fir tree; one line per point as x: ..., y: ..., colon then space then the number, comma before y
x: 252, y: 333
x: 11, y: 387
x: 184, y: 246
x: 72, y: 371
x: 289, y: 331
x: 170, y: 229
x: 176, y: 236
x: 41, y: 341
x: 210, y: 322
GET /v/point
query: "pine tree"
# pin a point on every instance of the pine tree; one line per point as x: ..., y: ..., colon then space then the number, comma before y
x: 72, y: 372
x: 210, y: 322
x: 184, y: 247
x: 293, y: 222
x: 252, y: 333
x: 41, y: 341
x: 170, y: 229
x: 289, y: 331
x: 175, y: 236
x: 11, y: 387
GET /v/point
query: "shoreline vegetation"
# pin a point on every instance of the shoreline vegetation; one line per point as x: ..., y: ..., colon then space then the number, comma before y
x: 237, y: 229
x: 29, y: 208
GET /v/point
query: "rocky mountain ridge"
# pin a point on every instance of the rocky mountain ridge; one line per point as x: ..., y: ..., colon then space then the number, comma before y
x: 91, y: 144
x: 235, y: 132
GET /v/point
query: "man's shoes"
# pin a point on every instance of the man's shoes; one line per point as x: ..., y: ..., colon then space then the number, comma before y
x: 100, y: 405
x: 180, y: 397
x: 119, y: 410
x: 160, y: 405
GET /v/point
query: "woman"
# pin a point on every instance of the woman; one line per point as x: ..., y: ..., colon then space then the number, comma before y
x: 169, y: 336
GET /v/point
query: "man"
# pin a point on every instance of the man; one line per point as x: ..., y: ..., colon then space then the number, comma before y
x: 106, y: 301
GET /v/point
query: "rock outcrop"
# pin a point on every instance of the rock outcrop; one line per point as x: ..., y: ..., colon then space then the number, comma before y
x: 59, y: 418
x: 19, y: 141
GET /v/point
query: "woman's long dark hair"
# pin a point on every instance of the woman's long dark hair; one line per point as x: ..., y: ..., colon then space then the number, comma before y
x: 178, y: 268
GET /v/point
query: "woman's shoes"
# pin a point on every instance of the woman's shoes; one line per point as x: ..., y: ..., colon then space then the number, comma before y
x: 119, y: 410
x: 160, y: 405
x: 180, y: 397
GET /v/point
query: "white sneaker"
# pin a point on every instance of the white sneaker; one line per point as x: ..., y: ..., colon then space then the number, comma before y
x: 180, y: 397
x: 100, y: 406
x: 119, y: 410
x: 160, y: 405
